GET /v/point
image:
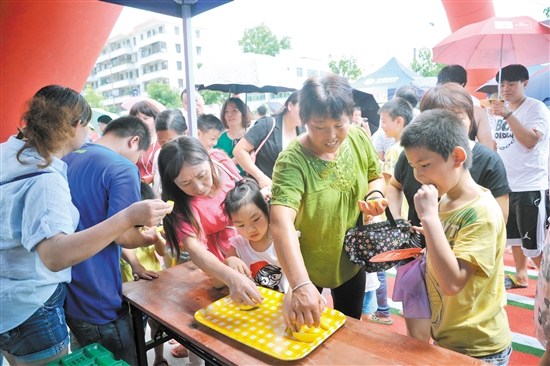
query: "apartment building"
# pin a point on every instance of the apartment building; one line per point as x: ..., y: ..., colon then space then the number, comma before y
x: 150, y: 52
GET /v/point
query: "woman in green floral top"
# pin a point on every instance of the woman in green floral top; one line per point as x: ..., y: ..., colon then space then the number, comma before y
x: 317, y: 184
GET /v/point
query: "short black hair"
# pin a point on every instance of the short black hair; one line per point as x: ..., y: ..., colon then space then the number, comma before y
x: 262, y: 110
x: 207, y: 122
x: 452, y: 74
x: 398, y: 107
x: 104, y: 119
x: 408, y: 93
x: 147, y: 192
x: 329, y: 96
x: 514, y: 72
x: 129, y: 126
x: 440, y: 131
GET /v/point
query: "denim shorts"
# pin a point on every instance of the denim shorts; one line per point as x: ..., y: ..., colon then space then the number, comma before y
x: 500, y: 359
x: 43, y: 335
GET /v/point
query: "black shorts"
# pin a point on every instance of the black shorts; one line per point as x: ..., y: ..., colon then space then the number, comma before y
x: 527, y: 221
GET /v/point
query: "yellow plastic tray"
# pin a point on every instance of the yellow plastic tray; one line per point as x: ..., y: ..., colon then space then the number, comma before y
x: 262, y: 328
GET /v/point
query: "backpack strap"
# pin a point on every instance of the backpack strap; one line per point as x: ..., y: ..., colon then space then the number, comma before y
x: 224, y: 168
x: 21, y: 177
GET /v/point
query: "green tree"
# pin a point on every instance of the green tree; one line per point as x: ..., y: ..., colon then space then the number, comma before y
x: 261, y: 40
x: 213, y: 97
x: 164, y: 94
x: 546, y: 12
x: 93, y: 97
x: 346, y: 67
x: 424, y: 65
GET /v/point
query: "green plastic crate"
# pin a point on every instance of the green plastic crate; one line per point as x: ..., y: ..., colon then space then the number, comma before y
x: 94, y: 354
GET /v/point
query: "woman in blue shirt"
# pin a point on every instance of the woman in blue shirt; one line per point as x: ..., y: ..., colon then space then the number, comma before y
x: 37, y: 240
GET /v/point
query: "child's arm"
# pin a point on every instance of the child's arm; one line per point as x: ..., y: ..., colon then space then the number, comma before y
x: 451, y: 273
x: 233, y: 261
x: 138, y: 271
x: 241, y: 289
x: 160, y: 245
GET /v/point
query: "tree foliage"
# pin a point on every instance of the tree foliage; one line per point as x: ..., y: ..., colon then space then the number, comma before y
x: 164, y: 94
x: 346, y: 67
x: 93, y: 97
x: 213, y: 97
x: 261, y: 40
x: 424, y: 65
x: 546, y: 12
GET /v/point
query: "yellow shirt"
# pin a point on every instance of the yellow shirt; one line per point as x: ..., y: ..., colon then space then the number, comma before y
x: 147, y: 258
x: 474, y: 321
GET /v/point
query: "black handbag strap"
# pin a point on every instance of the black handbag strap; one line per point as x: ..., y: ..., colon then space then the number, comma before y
x: 389, y: 215
x: 21, y: 177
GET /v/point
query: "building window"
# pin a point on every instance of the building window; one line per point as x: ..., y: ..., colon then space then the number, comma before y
x: 177, y: 30
x: 178, y: 48
x: 311, y: 73
x: 148, y: 34
x: 179, y: 64
x: 161, y: 29
x: 199, y: 51
x: 141, y: 36
x: 197, y: 33
x: 180, y: 83
x: 299, y: 72
x: 134, y: 41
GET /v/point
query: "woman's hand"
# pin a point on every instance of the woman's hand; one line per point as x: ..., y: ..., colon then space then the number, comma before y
x: 372, y: 208
x: 263, y: 180
x: 242, y: 290
x: 304, y: 307
x: 266, y: 192
x: 148, y: 212
x: 238, y: 265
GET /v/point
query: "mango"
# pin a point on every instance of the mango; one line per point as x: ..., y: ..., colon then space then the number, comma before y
x: 307, y: 334
x: 170, y: 202
x: 247, y: 307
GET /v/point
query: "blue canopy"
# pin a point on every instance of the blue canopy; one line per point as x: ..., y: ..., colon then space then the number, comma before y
x: 170, y: 7
x: 390, y: 76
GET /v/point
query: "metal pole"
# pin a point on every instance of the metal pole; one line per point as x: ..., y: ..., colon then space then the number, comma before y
x: 189, y: 65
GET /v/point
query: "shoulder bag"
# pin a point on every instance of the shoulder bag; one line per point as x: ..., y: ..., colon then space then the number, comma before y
x: 365, y: 241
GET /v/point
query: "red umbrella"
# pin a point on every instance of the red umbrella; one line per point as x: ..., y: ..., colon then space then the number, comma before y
x: 496, y: 42
x: 129, y: 103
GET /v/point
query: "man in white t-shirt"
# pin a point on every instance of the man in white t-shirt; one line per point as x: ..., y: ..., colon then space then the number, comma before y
x: 522, y: 143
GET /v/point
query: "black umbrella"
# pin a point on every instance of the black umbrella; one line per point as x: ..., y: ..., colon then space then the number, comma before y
x: 369, y: 108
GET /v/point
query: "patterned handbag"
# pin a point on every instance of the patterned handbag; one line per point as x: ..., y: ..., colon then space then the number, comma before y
x: 365, y: 241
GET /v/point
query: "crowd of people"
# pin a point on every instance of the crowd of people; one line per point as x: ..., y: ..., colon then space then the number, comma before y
x: 269, y: 205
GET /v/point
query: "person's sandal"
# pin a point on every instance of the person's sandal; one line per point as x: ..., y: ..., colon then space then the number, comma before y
x: 376, y: 320
x: 511, y: 282
x: 161, y: 362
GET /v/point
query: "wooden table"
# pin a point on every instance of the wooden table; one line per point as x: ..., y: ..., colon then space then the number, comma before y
x: 174, y: 297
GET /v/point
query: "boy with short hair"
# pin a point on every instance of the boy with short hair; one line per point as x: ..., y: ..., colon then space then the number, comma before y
x: 210, y: 128
x: 465, y: 240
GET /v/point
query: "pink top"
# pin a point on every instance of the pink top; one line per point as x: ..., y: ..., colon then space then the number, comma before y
x: 208, y: 211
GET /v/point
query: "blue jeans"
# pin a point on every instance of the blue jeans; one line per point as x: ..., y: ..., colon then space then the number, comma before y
x: 500, y: 359
x: 117, y: 337
x: 41, y: 336
x: 383, y: 310
x: 369, y: 304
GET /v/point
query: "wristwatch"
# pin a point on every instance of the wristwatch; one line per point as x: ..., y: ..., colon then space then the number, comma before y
x: 508, y: 115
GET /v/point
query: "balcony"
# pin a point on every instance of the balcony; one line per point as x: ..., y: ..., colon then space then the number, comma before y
x: 154, y: 75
